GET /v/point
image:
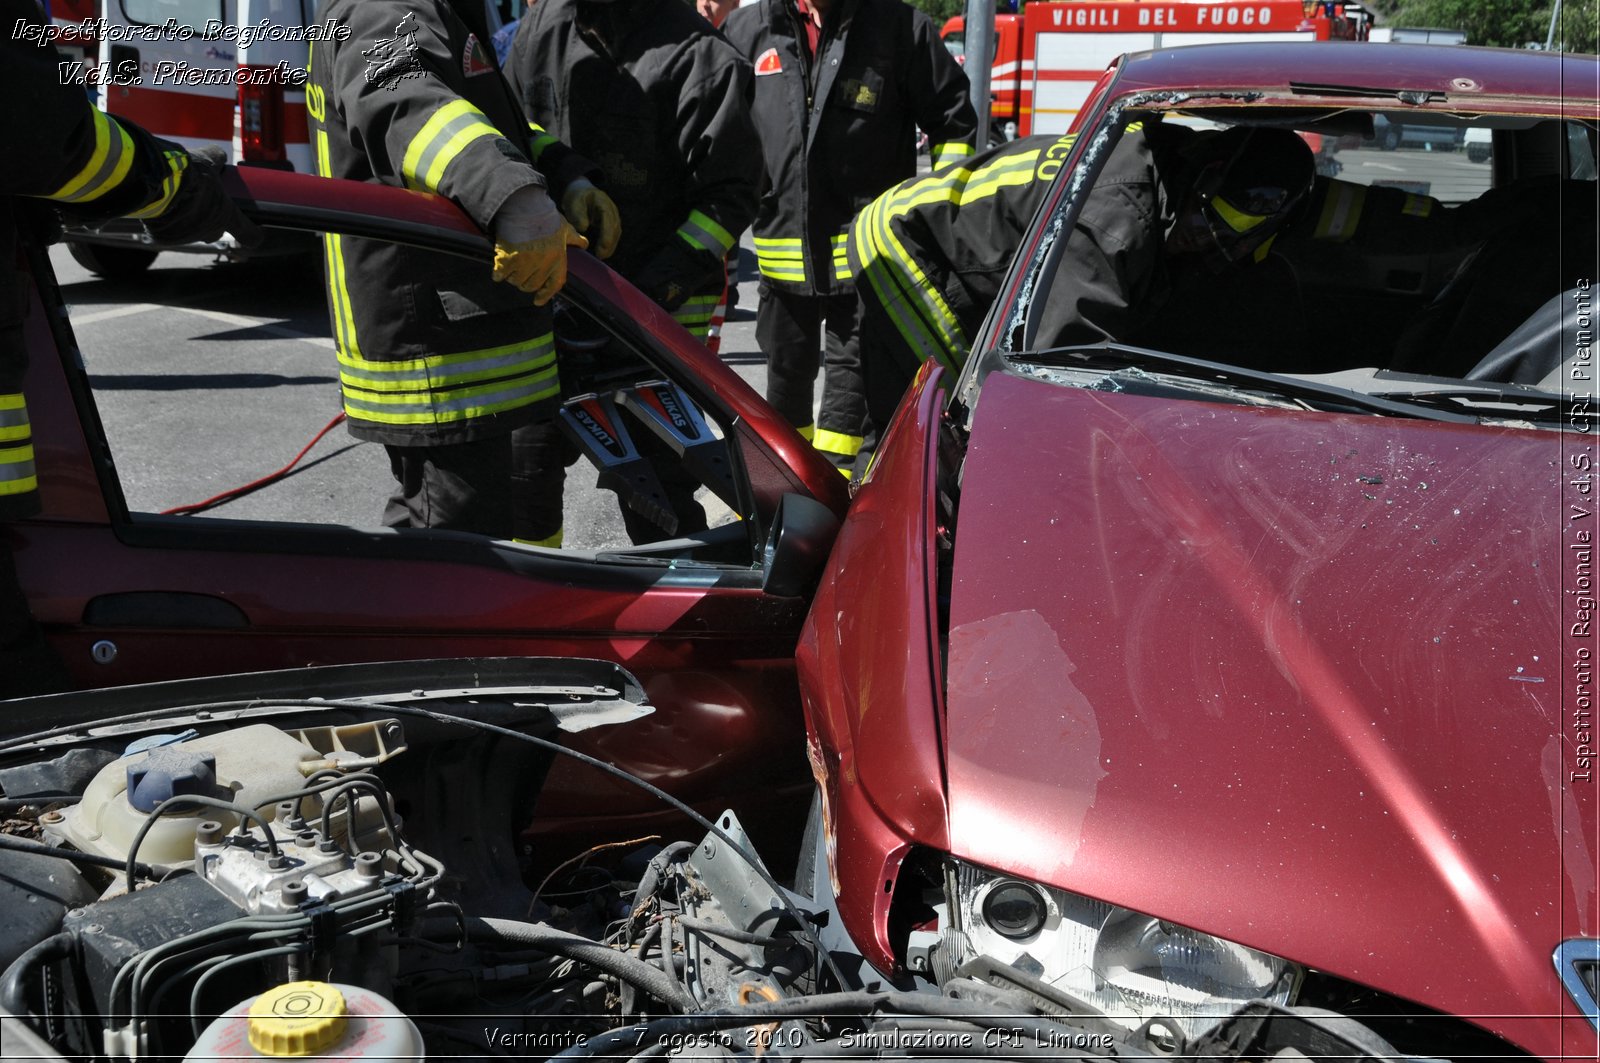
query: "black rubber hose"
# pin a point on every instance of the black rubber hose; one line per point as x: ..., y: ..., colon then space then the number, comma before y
x: 26, y: 845
x: 538, y: 936
x: 743, y: 937
x: 11, y: 804
x: 650, y: 881
x: 14, y: 984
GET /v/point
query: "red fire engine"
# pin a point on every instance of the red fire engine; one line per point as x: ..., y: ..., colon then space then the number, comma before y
x: 1048, y: 58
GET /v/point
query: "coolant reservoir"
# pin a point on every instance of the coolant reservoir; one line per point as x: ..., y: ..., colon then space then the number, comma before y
x: 302, y: 1019
x: 246, y: 765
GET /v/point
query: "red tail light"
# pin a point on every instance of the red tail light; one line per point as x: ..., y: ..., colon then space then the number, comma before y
x: 261, y: 123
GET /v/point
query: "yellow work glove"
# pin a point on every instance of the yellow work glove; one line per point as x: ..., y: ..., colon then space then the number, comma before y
x: 530, y: 244
x: 591, y: 212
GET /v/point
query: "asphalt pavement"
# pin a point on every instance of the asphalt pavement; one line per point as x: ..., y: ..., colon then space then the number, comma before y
x: 209, y: 375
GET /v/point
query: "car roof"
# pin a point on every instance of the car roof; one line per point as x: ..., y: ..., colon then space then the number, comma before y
x: 1456, y: 77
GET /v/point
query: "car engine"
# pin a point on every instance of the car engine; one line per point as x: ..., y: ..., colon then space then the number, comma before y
x: 328, y: 863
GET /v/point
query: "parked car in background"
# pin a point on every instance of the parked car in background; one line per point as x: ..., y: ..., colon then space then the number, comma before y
x: 1479, y: 143
x: 1236, y: 663
x: 1390, y: 134
x: 1425, y: 35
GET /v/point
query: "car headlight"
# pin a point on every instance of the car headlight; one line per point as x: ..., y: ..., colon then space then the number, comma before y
x: 1131, y: 966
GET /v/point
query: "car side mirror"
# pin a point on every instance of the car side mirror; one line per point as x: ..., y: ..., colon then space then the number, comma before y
x: 801, y: 535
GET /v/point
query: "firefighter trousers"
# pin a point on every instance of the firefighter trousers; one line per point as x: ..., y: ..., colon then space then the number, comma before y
x: 541, y: 454
x: 453, y: 487
x: 800, y: 334
x: 888, y: 366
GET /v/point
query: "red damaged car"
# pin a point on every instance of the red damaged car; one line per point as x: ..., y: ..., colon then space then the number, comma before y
x: 1225, y: 697
x: 708, y: 622
x: 1254, y: 662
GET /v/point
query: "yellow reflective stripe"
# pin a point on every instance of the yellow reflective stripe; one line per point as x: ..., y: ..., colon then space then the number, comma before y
x: 806, y: 431
x: 438, y: 372
x: 695, y: 314
x: 1417, y: 206
x: 344, y: 319
x: 781, y: 270
x: 177, y: 163
x: 950, y: 151
x: 702, y: 230
x: 442, y: 137
x: 549, y: 542
x: 781, y: 258
x: 831, y: 442
x: 1341, y: 212
x: 18, y: 474
x: 1239, y: 221
x: 885, y: 281
x: 13, y: 418
x: 928, y: 324
x: 871, y: 261
x: 841, y: 257
x: 107, y: 166
x: 541, y: 140
x: 435, y: 406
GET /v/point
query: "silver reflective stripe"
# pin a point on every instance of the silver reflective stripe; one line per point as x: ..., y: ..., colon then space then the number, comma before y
x: 441, y: 140
x: 540, y: 383
x: 450, y: 375
x: 108, y: 166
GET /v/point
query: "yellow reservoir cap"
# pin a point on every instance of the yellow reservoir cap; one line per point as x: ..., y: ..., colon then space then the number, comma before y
x: 297, y: 1019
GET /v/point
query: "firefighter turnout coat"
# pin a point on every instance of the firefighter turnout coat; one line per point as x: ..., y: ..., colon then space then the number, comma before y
x: 82, y: 160
x: 659, y: 101
x: 432, y: 350
x: 838, y: 129
x: 929, y: 254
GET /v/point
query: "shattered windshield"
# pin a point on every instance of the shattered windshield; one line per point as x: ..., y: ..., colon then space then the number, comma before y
x: 1441, y: 263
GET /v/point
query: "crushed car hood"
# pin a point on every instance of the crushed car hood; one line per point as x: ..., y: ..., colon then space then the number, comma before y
x: 1304, y: 681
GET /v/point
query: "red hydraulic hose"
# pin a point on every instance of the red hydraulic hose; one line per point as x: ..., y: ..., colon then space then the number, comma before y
x: 254, y: 485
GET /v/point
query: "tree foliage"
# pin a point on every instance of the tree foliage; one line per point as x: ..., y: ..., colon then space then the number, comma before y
x: 1504, y: 23
x: 939, y: 10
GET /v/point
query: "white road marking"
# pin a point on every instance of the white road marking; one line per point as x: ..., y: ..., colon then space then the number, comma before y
x: 110, y: 312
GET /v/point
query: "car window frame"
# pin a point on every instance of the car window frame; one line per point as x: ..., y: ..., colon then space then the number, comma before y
x: 640, y: 568
x: 1101, y: 127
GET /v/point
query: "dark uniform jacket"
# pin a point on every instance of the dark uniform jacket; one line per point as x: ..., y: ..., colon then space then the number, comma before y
x: 431, y: 349
x: 61, y: 149
x: 838, y: 130
x: 660, y: 102
x: 929, y: 254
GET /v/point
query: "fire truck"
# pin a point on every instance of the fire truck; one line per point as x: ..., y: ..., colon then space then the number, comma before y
x: 1048, y: 58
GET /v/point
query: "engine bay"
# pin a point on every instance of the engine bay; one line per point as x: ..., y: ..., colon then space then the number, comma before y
x: 329, y: 863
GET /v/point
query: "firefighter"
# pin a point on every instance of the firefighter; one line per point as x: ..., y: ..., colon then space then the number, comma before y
x: 437, y: 361
x: 840, y: 88
x: 91, y: 166
x: 660, y: 102
x: 930, y: 254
